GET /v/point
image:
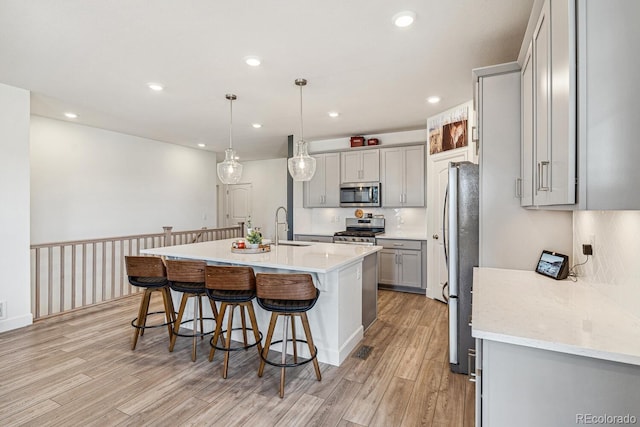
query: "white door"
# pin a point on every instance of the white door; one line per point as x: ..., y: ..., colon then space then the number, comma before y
x: 438, y: 178
x: 238, y: 204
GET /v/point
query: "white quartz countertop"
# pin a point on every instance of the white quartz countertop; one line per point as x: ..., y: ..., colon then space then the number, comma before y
x: 526, y: 308
x: 310, y: 257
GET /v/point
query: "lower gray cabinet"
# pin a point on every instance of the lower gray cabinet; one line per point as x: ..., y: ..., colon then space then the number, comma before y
x: 401, y: 263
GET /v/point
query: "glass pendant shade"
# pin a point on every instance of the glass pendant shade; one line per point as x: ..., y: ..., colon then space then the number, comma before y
x: 301, y: 166
x: 230, y: 171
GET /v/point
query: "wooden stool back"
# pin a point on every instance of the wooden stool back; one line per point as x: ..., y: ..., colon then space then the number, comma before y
x: 145, y: 266
x: 295, y: 286
x: 186, y: 271
x: 224, y: 278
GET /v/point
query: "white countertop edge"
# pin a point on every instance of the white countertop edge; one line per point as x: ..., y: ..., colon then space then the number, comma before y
x: 558, y: 347
x: 166, y: 251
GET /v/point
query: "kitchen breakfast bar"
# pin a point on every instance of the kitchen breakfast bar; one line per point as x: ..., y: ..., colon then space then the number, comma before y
x: 345, y: 275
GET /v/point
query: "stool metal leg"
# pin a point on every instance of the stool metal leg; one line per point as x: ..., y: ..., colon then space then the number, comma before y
x: 196, y: 309
x: 244, y: 324
x: 199, y: 297
x: 284, y: 354
x: 228, y: 342
x: 293, y: 338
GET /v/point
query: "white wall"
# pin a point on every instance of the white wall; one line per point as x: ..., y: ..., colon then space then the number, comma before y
x: 614, y: 268
x: 14, y: 214
x: 269, y: 190
x: 88, y: 183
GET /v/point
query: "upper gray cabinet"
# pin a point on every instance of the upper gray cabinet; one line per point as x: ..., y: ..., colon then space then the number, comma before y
x: 548, y: 118
x: 608, y: 106
x: 402, y: 176
x: 360, y: 165
x: 579, y: 105
x: 323, y: 190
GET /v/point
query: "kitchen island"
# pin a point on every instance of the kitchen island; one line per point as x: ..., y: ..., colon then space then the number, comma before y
x: 337, y: 271
x: 552, y: 353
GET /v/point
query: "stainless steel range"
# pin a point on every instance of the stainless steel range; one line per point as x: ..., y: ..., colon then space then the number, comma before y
x: 360, y: 231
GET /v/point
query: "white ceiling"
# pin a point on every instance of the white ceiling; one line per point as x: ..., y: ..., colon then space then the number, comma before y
x: 95, y: 57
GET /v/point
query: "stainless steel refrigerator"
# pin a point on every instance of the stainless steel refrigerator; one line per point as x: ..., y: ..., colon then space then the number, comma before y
x: 462, y: 246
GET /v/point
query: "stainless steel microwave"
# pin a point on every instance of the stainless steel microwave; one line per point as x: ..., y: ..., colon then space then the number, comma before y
x: 362, y: 194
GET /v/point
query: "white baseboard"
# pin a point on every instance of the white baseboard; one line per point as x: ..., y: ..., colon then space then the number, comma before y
x: 16, y: 322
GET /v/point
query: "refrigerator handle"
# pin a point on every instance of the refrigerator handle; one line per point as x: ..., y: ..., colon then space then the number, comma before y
x: 444, y: 229
x: 453, y: 230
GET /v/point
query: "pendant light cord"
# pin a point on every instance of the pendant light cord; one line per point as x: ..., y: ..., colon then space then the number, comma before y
x: 231, y: 123
x: 301, y: 125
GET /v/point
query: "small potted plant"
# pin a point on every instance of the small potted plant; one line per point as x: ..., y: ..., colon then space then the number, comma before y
x: 254, y: 238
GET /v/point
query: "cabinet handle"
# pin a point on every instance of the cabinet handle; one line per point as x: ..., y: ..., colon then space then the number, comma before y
x: 541, y: 181
x: 474, y: 134
x: 519, y: 188
x: 435, y: 237
x: 471, y: 355
x: 400, y: 258
x: 398, y: 244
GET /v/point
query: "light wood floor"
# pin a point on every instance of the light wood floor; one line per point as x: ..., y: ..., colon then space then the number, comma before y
x: 78, y: 369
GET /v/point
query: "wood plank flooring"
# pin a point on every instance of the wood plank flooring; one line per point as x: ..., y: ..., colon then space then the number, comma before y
x: 78, y: 369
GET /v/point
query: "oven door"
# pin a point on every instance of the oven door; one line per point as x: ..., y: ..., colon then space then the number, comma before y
x: 360, y: 194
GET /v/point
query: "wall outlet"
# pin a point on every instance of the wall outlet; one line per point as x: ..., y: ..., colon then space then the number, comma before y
x: 3, y: 310
x: 587, y: 249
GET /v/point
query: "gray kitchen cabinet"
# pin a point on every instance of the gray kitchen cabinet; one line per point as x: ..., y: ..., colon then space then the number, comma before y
x: 583, y: 106
x: 401, y: 264
x: 360, y: 165
x: 548, y: 109
x: 402, y: 176
x: 323, y: 190
x: 608, y: 107
x: 525, y: 181
x: 540, y: 387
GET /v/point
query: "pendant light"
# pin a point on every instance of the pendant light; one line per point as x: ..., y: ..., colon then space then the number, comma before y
x: 230, y: 170
x: 301, y: 166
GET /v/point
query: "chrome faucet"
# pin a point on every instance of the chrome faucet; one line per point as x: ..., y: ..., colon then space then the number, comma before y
x: 286, y: 224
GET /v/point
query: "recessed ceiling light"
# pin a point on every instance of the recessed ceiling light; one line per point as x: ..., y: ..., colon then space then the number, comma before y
x: 71, y: 115
x: 257, y: 125
x: 201, y: 145
x: 333, y: 114
x: 404, y: 19
x: 252, y: 61
x: 433, y: 99
x: 155, y: 86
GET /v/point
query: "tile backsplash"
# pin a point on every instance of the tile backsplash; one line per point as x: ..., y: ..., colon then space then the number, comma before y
x: 614, y: 267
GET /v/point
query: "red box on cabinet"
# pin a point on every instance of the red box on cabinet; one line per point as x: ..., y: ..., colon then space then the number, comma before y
x: 357, y: 141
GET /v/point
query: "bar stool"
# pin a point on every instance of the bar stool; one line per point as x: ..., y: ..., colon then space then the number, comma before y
x: 188, y: 277
x: 287, y: 295
x: 149, y: 273
x: 235, y: 287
